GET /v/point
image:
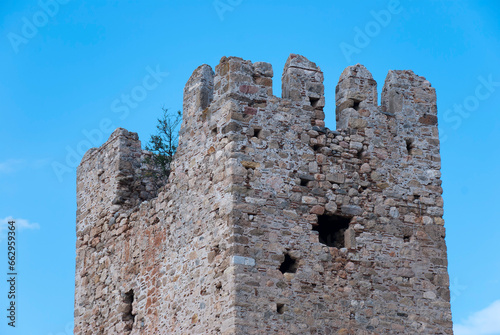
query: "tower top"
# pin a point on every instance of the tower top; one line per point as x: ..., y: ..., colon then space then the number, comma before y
x: 271, y: 222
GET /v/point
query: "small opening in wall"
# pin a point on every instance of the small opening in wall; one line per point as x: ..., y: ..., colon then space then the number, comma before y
x: 303, y: 182
x: 256, y: 132
x: 314, y: 101
x: 128, y: 317
x: 355, y: 104
x: 360, y: 154
x: 280, y: 308
x: 214, y: 131
x: 406, y: 238
x: 331, y: 229
x: 289, y: 265
x: 409, y: 145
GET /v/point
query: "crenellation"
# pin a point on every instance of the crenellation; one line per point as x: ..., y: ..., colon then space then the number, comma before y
x: 113, y: 169
x: 302, y: 83
x: 198, y: 94
x: 356, y: 87
x: 240, y: 79
x: 410, y: 98
x: 270, y: 222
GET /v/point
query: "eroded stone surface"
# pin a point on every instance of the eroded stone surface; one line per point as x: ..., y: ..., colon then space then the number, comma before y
x: 256, y: 177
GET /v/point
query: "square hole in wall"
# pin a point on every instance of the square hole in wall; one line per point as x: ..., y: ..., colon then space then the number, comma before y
x: 256, y: 132
x: 127, y: 316
x: 280, y: 308
x: 331, y: 229
x: 409, y: 145
x: 304, y: 181
x: 289, y: 265
x: 314, y: 101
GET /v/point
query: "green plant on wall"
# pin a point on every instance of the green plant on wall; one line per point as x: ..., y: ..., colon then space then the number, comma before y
x: 162, y: 147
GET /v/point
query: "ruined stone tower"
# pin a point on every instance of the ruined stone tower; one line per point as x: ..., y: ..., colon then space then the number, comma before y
x: 271, y: 223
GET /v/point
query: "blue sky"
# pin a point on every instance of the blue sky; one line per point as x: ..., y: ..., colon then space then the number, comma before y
x: 72, y: 71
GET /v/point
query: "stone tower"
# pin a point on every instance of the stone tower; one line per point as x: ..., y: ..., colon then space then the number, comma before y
x: 271, y: 223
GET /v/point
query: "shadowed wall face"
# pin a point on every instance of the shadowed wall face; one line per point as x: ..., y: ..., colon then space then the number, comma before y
x: 270, y: 222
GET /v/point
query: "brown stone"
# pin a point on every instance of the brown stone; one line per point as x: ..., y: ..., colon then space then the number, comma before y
x: 428, y: 119
x: 250, y: 165
x: 249, y: 89
x: 270, y: 223
x: 317, y: 210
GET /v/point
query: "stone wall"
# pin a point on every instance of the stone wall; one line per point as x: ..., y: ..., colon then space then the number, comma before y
x: 270, y: 222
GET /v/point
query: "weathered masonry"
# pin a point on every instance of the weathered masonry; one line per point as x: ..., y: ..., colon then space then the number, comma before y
x: 271, y: 223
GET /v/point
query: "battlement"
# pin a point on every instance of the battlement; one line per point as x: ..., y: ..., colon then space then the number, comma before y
x: 271, y: 222
x: 302, y: 86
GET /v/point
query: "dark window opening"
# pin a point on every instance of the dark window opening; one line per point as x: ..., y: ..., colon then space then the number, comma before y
x: 355, y: 104
x: 289, y: 265
x: 314, y: 101
x: 316, y: 147
x: 214, y: 131
x: 256, y: 132
x: 280, y: 308
x: 303, y: 182
x: 409, y: 145
x: 406, y: 238
x: 127, y: 316
x: 331, y: 229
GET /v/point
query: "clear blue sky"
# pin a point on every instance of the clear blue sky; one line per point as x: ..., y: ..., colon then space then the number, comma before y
x: 66, y: 70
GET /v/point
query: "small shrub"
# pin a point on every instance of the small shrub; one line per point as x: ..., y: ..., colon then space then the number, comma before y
x: 162, y: 146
